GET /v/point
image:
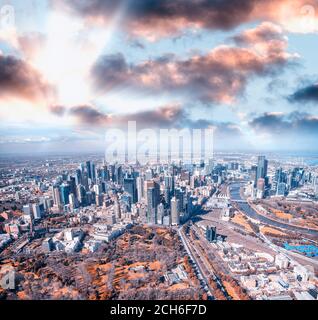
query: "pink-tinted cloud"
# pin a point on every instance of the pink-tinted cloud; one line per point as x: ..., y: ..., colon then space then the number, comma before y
x: 158, y: 18
x: 171, y: 116
x: 18, y: 80
x: 89, y: 116
x: 220, y: 76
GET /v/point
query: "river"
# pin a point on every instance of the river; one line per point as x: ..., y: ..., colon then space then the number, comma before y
x: 250, y: 212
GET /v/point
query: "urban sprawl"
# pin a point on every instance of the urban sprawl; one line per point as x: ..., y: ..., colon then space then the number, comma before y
x: 236, y: 227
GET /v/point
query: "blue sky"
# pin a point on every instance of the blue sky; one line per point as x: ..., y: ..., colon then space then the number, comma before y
x: 71, y: 70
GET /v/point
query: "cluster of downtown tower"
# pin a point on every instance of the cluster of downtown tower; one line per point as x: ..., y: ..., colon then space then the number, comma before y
x: 163, y: 193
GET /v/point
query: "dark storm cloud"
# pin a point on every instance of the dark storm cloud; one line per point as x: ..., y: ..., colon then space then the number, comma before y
x: 19, y: 80
x: 210, y: 13
x: 306, y: 94
x: 162, y: 117
x: 157, y: 18
x: 219, y: 76
x: 88, y: 115
x: 279, y: 123
x: 171, y: 116
x: 110, y: 71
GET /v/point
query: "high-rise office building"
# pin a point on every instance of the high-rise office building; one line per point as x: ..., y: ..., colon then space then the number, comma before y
x: 167, y: 196
x: 88, y: 169
x: 254, y: 175
x: 130, y: 188
x: 160, y: 213
x: 71, y: 181
x: 78, y: 176
x: 175, y: 213
x: 117, y: 209
x: 279, y: 175
x: 57, y: 197
x: 93, y: 172
x: 153, y: 199
x: 169, y: 182
x: 281, y: 189
x: 119, y: 176
x: 180, y: 196
x: 72, y: 201
x: 126, y: 201
x: 65, y: 192
x: 37, y: 215
x: 140, y: 189
x: 262, y: 165
x: 97, y: 189
x: 105, y: 174
x: 81, y: 194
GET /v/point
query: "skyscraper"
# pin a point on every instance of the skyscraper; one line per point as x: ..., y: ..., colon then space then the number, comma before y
x: 160, y: 213
x: 167, y: 196
x: 179, y: 194
x: 65, y: 192
x: 153, y: 199
x: 140, y: 189
x: 261, y: 167
x: 117, y: 209
x: 72, y: 201
x: 105, y: 174
x: 254, y: 175
x: 281, y: 189
x: 81, y: 194
x: 71, y: 181
x: 175, y: 214
x: 130, y: 187
x: 78, y: 176
x: 88, y: 169
x: 119, y: 175
x: 57, y: 197
x: 93, y: 172
x: 36, y: 211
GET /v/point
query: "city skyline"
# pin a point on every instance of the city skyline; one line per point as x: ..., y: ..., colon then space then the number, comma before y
x: 70, y: 71
x: 235, y: 227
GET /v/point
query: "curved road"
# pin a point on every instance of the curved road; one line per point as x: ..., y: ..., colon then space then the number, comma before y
x: 249, y: 211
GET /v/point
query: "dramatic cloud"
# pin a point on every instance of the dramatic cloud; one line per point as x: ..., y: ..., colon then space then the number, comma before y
x: 295, y: 123
x: 307, y: 94
x: 19, y: 80
x: 88, y: 115
x: 163, y: 117
x: 267, y: 31
x: 158, y: 18
x: 219, y: 76
x: 171, y: 116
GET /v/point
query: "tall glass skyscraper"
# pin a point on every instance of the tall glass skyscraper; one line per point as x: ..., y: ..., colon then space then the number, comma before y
x: 262, y: 165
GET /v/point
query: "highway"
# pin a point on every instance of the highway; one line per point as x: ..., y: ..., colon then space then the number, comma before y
x: 249, y: 211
